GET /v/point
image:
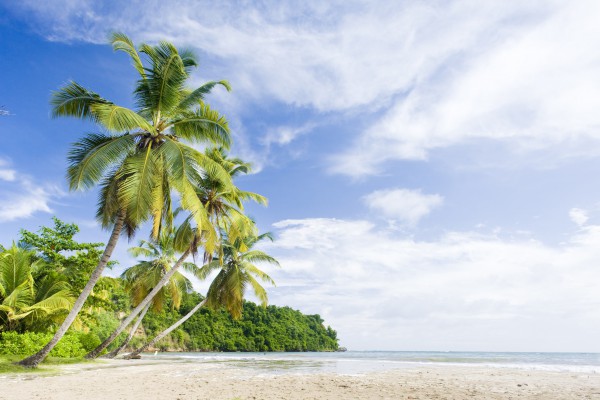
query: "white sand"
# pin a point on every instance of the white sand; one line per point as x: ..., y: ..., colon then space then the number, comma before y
x: 119, y: 379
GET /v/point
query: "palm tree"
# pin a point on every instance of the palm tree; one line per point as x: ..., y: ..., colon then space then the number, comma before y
x: 141, y: 278
x: 222, y: 202
x: 25, y: 303
x: 187, y: 250
x: 141, y: 158
x: 236, y: 272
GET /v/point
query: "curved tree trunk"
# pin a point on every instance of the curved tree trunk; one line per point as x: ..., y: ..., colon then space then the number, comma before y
x: 96, y: 352
x: 167, y: 331
x: 134, y: 328
x: 34, y: 360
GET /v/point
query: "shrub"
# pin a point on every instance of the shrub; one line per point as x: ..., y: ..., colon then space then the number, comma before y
x: 89, y: 341
x: 24, y: 344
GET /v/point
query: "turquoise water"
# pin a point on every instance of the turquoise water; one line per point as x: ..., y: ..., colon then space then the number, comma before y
x: 357, y: 362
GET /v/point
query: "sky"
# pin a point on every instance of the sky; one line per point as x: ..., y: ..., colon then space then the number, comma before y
x: 431, y: 166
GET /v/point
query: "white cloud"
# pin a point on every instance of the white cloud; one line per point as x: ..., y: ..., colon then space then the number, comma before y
x: 463, y: 291
x: 531, y: 85
x: 21, y: 197
x: 405, y: 205
x: 6, y: 173
x: 445, y: 73
x: 578, y: 216
x: 282, y: 135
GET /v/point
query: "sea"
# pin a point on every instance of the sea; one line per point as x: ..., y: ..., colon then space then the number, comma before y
x: 360, y: 362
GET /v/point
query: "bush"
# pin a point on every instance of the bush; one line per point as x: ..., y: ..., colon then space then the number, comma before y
x: 68, y: 347
x: 13, y: 343
x: 89, y: 341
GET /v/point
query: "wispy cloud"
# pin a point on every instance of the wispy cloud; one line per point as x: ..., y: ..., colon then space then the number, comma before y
x: 464, y: 290
x: 403, y: 205
x: 21, y: 196
x: 522, y: 80
x: 283, y: 135
x: 6, y: 173
x: 423, y: 75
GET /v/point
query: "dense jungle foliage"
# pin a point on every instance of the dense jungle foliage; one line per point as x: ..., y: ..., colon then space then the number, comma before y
x: 41, y: 275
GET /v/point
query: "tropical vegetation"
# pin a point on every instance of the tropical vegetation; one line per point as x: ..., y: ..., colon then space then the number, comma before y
x: 211, y: 328
x: 150, y: 173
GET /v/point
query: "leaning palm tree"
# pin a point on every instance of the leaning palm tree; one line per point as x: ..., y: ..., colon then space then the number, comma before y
x: 236, y: 271
x: 141, y: 278
x: 141, y: 158
x: 24, y: 302
x: 186, y: 246
x: 223, y: 204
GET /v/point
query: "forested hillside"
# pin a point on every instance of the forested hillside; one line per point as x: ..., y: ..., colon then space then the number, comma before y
x: 259, y: 329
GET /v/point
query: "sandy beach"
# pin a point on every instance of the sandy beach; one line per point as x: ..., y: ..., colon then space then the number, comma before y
x: 119, y: 379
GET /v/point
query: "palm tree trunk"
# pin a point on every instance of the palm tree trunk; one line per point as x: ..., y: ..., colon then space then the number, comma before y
x: 96, y: 352
x: 134, y: 328
x: 34, y: 360
x: 167, y: 331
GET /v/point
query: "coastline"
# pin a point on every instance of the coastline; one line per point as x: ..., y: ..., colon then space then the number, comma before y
x: 162, y: 379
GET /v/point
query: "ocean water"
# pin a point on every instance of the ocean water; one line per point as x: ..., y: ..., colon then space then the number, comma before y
x: 359, y: 362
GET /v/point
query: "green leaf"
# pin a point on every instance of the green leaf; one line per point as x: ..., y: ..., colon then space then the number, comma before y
x: 120, y: 119
x: 195, y: 97
x: 203, y: 126
x: 136, y: 181
x: 73, y: 100
x: 91, y: 157
x: 121, y: 42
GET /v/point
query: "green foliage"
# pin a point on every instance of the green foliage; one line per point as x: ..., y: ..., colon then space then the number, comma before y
x: 52, y: 252
x: 13, y: 343
x: 26, y: 303
x: 52, y: 242
x: 62, y: 254
x: 105, y: 324
x: 259, y: 329
x: 143, y: 158
x: 236, y: 273
x: 62, y: 258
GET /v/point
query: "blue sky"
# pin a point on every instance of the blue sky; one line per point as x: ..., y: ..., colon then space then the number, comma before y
x: 430, y: 166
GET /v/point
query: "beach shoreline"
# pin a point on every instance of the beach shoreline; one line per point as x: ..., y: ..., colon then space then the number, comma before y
x: 161, y: 379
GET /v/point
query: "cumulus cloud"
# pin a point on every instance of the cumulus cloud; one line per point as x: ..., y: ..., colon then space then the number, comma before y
x: 21, y: 197
x: 578, y: 216
x: 463, y: 290
x: 404, y: 205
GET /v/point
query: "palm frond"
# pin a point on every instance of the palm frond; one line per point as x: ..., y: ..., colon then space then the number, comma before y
x: 121, y: 42
x: 207, y: 269
x: 137, y: 179
x: 251, y: 269
x: 203, y: 126
x: 198, y: 94
x: 61, y: 300
x: 92, y: 156
x: 119, y: 119
x: 259, y: 256
x: 184, y: 235
x: 73, y: 100
x: 259, y: 291
x: 20, y: 297
x: 108, y: 199
x: 160, y: 92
